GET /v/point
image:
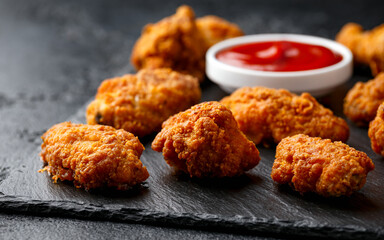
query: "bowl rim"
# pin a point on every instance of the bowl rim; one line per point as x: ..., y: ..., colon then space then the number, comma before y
x: 333, y: 45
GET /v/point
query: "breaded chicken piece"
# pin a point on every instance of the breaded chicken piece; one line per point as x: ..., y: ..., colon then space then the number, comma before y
x: 140, y: 103
x: 367, y: 46
x: 362, y: 101
x: 265, y: 114
x: 215, y: 29
x: 204, y: 141
x: 93, y: 156
x: 174, y: 42
x: 376, y: 131
x: 318, y: 165
x: 180, y: 42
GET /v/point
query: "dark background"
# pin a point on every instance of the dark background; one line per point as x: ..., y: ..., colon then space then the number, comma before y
x: 54, y: 54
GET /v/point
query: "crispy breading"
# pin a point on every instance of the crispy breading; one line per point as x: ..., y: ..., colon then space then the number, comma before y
x: 180, y: 42
x: 376, y: 131
x: 174, y: 42
x: 215, y: 29
x: 93, y: 156
x: 318, y: 165
x: 204, y: 141
x: 140, y: 103
x: 266, y: 114
x: 367, y: 46
x: 362, y: 101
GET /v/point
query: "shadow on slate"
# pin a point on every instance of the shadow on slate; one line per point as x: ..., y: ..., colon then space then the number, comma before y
x: 251, y: 203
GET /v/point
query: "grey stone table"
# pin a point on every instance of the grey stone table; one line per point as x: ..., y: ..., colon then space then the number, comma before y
x: 53, y: 56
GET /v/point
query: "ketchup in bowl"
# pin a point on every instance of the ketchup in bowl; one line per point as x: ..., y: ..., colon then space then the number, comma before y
x: 279, y: 56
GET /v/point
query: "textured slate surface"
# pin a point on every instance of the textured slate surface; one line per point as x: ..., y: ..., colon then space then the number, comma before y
x: 251, y: 202
x: 18, y: 227
x: 53, y: 56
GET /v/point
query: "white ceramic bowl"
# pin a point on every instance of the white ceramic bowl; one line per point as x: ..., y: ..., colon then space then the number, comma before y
x: 317, y: 82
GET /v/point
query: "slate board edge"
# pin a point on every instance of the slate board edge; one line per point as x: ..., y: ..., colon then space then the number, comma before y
x: 260, y: 226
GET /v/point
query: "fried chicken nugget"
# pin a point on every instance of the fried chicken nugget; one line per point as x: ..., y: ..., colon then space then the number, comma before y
x: 367, y: 47
x: 312, y: 164
x: 93, y: 156
x: 376, y: 131
x: 265, y: 114
x: 180, y: 42
x: 215, y: 29
x: 173, y: 42
x: 363, y: 100
x: 204, y: 141
x: 140, y: 103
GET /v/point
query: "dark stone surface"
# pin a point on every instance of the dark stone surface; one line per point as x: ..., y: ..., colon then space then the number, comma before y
x: 33, y: 227
x: 53, y: 56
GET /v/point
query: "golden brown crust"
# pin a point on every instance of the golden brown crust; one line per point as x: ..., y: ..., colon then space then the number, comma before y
x: 173, y: 42
x: 140, y: 103
x: 180, y: 42
x: 321, y: 166
x: 376, y: 131
x: 215, y: 29
x: 367, y: 46
x: 265, y: 114
x: 362, y: 101
x: 204, y: 141
x: 93, y: 156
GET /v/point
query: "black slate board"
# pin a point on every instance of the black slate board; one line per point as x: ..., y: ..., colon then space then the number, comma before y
x: 251, y: 203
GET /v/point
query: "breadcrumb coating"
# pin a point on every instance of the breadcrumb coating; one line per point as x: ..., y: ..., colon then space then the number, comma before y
x: 363, y: 100
x: 174, y: 42
x: 367, y: 46
x: 204, y: 141
x: 180, y: 42
x: 93, y: 156
x: 376, y: 131
x: 318, y: 165
x: 215, y: 29
x: 140, y: 103
x: 265, y: 115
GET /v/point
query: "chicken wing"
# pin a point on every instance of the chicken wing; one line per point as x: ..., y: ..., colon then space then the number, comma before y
x: 93, y: 156
x: 215, y: 29
x: 180, y: 42
x: 367, y: 46
x: 362, y: 101
x: 265, y: 114
x: 376, y: 131
x: 140, y: 103
x: 174, y: 42
x: 204, y: 141
x: 318, y: 165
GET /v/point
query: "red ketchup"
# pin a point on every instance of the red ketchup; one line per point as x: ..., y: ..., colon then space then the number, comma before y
x: 279, y: 56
